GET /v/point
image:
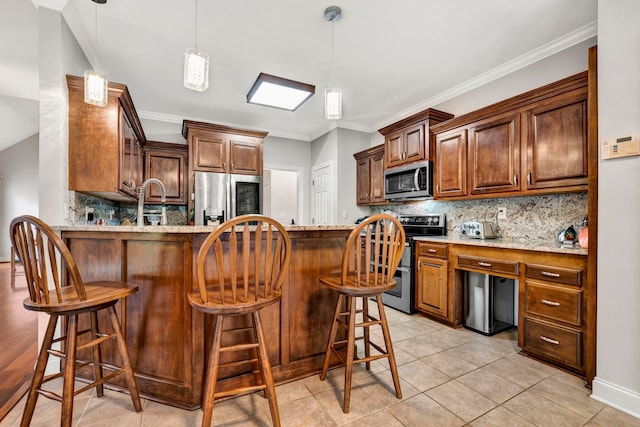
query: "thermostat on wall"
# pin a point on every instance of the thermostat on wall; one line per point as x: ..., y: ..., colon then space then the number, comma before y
x: 614, y: 148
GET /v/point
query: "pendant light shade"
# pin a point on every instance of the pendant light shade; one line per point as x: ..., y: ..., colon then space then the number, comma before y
x: 196, y: 65
x: 196, y: 70
x: 333, y: 104
x: 333, y: 95
x: 96, y: 85
x: 96, y: 88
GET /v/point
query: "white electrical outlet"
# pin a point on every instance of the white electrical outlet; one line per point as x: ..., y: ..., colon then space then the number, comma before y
x: 502, y: 213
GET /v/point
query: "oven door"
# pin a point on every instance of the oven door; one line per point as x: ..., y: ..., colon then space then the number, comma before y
x: 402, y: 296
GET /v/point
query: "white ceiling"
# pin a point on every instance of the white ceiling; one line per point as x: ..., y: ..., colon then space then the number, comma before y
x: 391, y: 58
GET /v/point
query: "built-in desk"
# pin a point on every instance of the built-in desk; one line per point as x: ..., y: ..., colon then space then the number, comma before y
x: 556, y: 305
x: 168, y: 341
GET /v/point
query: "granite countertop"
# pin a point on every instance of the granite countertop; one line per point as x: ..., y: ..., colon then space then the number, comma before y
x: 523, y: 244
x: 187, y: 229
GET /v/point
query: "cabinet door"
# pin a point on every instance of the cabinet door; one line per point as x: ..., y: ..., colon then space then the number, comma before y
x: 494, y: 155
x: 129, y: 157
x: 170, y: 167
x: 210, y: 152
x: 376, y: 170
x: 451, y: 164
x: 245, y: 156
x: 363, y: 181
x: 557, y: 143
x: 431, y: 283
x: 414, y: 146
x: 394, y: 149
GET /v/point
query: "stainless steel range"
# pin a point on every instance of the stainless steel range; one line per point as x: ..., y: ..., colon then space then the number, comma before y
x: 402, y: 297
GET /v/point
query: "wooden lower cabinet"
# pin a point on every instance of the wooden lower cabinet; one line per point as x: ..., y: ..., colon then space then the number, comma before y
x: 168, y: 342
x: 431, y: 279
x: 556, y: 303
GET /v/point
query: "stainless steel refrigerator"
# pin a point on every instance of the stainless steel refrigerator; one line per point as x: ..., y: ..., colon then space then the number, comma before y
x: 220, y: 196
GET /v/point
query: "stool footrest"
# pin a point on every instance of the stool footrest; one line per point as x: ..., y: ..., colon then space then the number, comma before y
x: 98, y: 382
x: 240, y: 390
x: 102, y: 338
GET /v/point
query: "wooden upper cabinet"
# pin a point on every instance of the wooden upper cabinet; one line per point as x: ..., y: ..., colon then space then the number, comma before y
x: 168, y: 163
x: 557, y: 142
x: 494, y: 155
x: 370, y: 176
x: 215, y: 148
x: 105, y: 144
x: 534, y: 143
x: 210, y: 152
x: 245, y: 155
x: 409, y: 140
x: 451, y: 164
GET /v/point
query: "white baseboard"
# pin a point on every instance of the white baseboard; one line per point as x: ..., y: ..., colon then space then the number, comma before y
x: 623, y: 399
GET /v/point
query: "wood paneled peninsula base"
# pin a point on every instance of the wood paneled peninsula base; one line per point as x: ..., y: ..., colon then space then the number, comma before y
x: 168, y: 340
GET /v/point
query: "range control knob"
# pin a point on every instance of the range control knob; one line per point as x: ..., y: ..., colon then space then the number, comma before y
x: 477, y: 232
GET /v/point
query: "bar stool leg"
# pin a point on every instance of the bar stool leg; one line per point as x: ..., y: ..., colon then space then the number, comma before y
x: 348, y: 364
x: 367, y: 335
x: 38, y: 375
x: 265, y: 369
x: 212, y: 373
x: 332, y: 337
x: 387, y: 342
x: 69, y: 371
x: 126, y: 361
x: 97, y: 354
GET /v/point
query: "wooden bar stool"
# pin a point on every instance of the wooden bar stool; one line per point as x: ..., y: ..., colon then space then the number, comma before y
x: 61, y: 293
x: 369, y: 261
x: 240, y: 269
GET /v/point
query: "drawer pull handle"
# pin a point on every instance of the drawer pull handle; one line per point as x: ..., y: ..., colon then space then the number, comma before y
x: 550, y: 274
x: 484, y: 264
x: 553, y: 303
x: 431, y: 251
x: 549, y: 340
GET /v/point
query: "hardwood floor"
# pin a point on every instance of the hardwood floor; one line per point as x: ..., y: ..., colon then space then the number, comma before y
x: 18, y: 338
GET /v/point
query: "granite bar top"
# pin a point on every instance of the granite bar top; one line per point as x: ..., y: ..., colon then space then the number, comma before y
x: 186, y: 229
x: 521, y: 244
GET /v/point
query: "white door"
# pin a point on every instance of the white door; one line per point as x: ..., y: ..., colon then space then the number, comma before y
x: 323, y: 197
x: 280, y: 192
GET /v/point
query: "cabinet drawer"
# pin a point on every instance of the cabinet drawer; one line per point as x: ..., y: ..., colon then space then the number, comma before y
x: 439, y: 250
x: 554, y: 302
x: 489, y: 265
x: 554, y: 342
x: 554, y: 274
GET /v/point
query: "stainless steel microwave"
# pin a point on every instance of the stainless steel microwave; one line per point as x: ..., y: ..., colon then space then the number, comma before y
x: 410, y: 182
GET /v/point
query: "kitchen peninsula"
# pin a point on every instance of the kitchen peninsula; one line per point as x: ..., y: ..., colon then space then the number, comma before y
x: 167, y: 340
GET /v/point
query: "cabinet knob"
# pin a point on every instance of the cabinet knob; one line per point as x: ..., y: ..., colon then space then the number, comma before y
x: 529, y: 178
x: 550, y: 274
x: 551, y: 303
x: 431, y: 251
x: 549, y: 340
x: 515, y: 180
x: 484, y: 264
x: 419, y: 265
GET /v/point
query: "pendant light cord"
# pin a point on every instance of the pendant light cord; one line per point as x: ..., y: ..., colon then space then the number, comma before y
x: 96, y: 20
x: 196, y: 26
x: 332, y: 56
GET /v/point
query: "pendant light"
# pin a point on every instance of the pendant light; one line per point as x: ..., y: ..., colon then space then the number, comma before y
x: 96, y: 85
x: 196, y: 65
x: 332, y: 95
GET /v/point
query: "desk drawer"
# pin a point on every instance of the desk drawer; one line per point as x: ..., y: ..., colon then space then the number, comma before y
x: 439, y: 250
x: 554, y: 342
x: 489, y: 265
x: 554, y: 274
x: 554, y: 302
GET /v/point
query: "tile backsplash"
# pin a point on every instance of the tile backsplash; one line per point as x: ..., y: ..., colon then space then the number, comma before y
x: 114, y: 213
x: 530, y: 217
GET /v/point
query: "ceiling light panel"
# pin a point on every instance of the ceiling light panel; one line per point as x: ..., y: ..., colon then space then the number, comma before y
x: 278, y: 92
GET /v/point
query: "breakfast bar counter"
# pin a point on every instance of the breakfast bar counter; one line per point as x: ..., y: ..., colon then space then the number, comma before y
x: 167, y: 340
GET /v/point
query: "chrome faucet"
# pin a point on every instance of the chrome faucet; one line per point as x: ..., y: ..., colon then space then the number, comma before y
x: 163, y: 199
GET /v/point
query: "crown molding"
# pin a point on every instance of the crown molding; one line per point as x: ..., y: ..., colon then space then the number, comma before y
x: 172, y: 118
x: 561, y: 43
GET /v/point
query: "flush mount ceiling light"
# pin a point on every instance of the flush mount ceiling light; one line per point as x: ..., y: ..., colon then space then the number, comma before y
x: 96, y: 85
x: 196, y: 65
x: 332, y: 95
x: 278, y: 92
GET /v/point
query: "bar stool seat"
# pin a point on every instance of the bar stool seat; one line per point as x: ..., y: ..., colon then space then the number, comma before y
x: 239, y: 271
x: 62, y: 294
x: 370, y: 258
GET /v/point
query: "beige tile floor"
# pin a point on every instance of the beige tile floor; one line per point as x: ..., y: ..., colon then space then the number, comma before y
x: 449, y: 377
